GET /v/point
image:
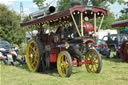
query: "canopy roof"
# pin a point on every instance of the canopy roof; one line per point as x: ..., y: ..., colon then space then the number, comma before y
x: 66, y: 15
x: 121, y: 23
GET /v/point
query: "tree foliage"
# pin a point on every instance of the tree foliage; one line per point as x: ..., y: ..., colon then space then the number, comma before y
x: 41, y: 3
x: 123, y: 17
x: 124, y: 14
x: 10, y: 26
x: 26, y: 18
x: 124, y: 11
x: 100, y: 2
x: 108, y: 21
x: 65, y: 4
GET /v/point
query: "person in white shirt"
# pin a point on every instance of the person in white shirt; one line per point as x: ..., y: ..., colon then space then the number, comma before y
x: 15, y: 57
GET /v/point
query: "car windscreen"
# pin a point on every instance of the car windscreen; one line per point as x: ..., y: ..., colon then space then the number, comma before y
x: 4, y: 44
x: 105, y: 38
x: 114, y: 38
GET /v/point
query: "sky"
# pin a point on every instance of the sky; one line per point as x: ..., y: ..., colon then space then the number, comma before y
x: 29, y: 6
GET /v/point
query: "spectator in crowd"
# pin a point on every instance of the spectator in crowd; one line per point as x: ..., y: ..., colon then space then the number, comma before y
x: 104, y: 51
x: 117, y: 53
x: 10, y: 57
x: 3, y: 58
x: 14, y: 56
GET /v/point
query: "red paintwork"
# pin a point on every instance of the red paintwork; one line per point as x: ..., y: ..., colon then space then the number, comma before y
x: 53, y: 55
x: 121, y: 23
x: 96, y: 10
x: 76, y: 63
x: 89, y: 41
x: 88, y: 27
x: 53, y: 58
x: 89, y: 8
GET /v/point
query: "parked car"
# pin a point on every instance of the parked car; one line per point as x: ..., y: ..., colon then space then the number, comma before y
x: 114, y: 40
x: 5, y: 46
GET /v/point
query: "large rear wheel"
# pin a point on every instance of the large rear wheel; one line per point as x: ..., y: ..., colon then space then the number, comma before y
x: 95, y: 61
x: 33, y: 55
x: 64, y: 64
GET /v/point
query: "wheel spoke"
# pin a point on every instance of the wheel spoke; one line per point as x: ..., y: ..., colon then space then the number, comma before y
x: 66, y: 64
x: 96, y: 66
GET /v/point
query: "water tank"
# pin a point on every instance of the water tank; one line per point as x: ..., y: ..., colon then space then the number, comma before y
x: 88, y: 27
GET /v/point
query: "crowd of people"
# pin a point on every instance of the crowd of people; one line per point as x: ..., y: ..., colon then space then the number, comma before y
x: 104, y: 51
x: 11, y: 58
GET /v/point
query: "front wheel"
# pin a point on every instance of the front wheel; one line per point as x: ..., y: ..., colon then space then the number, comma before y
x: 95, y: 61
x: 64, y: 64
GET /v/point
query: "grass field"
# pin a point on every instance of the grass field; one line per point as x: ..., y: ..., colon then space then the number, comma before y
x: 114, y: 72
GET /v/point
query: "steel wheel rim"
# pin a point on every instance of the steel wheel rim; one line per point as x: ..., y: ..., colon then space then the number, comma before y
x: 62, y: 64
x: 32, y: 56
x: 92, y: 57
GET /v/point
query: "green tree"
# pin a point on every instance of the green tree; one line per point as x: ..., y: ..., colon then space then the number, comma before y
x: 124, y: 11
x: 39, y: 3
x: 26, y: 18
x: 101, y: 3
x: 123, y: 17
x: 10, y: 26
x: 108, y: 20
x: 124, y: 14
x: 65, y: 4
x: 42, y: 3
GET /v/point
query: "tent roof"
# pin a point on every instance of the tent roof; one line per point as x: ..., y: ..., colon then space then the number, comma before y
x: 121, y: 23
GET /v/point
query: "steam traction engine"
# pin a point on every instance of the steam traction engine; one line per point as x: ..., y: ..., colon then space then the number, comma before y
x: 124, y: 46
x: 64, y: 38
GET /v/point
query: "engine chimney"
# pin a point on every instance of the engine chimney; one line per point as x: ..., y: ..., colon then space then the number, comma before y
x: 42, y: 12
